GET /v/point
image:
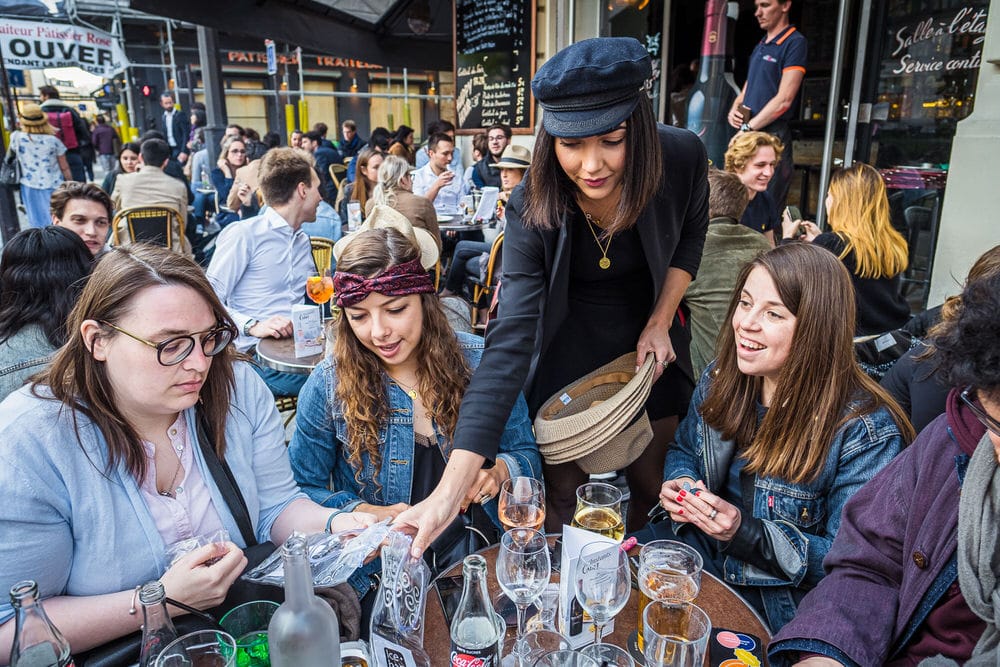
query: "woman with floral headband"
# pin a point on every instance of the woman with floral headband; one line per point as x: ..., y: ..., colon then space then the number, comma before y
x: 380, y: 413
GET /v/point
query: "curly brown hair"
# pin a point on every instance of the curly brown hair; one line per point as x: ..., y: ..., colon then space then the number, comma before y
x: 362, y: 383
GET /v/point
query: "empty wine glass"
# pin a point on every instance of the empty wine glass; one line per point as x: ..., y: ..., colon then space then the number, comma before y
x: 603, y: 582
x: 523, y: 570
x: 522, y: 503
x: 566, y: 658
x: 608, y: 655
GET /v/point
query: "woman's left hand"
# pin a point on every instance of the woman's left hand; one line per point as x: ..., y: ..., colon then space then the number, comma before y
x: 655, y: 339
x: 351, y: 521
x: 487, y: 484
x: 711, y: 514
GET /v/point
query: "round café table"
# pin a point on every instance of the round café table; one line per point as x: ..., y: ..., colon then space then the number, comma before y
x: 461, y: 226
x: 726, y: 608
x: 279, y: 354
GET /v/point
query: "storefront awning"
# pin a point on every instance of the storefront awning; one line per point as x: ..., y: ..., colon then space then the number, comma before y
x: 328, y: 27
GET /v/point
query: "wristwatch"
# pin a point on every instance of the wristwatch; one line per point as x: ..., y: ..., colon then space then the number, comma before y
x: 248, y: 326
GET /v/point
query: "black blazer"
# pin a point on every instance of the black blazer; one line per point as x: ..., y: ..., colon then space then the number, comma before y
x: 535, y: 280
x: 180, y: 128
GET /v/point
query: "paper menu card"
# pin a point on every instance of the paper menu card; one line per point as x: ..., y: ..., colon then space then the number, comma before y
x: 307, y: 329
x: 574, y: 623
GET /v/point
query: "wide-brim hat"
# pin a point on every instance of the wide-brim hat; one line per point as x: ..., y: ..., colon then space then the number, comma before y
x: 32, y: 116
x: 514, y: 157
x: 591, y: 87
x: 383, y: 217
x: 600, y: 420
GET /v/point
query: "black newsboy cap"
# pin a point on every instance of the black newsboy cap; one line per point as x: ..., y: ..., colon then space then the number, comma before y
x: 590, y: 87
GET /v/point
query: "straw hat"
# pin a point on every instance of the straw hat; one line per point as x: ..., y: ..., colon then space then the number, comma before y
x: 599, y: 421
x: 33, y: 117
x: 385, y: 216
x: 514, y: 157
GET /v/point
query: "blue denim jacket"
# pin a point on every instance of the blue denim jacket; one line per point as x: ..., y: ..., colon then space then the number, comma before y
x: 801, y: 519
x: 318, y: 447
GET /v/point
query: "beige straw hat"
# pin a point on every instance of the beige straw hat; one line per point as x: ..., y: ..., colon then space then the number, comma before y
x: 33, y: 117
x: 386, y: 216
x: 599, y: 421
x: 514, y: 157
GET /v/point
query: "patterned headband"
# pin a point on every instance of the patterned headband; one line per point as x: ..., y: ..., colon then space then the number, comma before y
x: 399, y: 280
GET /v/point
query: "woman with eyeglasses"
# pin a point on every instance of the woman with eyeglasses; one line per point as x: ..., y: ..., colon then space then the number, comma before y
x: 103, y: 460
x: 912, y: 577
x: 232, y: 156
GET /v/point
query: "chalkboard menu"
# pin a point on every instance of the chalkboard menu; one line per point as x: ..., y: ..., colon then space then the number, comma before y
x: 494, y: 48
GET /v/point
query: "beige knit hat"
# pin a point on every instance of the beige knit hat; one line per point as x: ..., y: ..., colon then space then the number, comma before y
x: 599, y: 421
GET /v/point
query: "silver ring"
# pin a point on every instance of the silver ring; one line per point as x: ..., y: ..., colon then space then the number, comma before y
x: 484, y: 497
x: 664, y: 363
x: 713, y: 514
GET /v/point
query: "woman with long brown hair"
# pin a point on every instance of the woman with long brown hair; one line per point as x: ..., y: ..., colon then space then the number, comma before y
x: 380, y: 414
x: 862, y: 236
x: 783, y: 428
x: 366, y: 178
x: 105, y: 460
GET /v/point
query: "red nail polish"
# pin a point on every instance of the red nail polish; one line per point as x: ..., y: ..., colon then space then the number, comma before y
x: 680, y: 511
x: 680, y: 498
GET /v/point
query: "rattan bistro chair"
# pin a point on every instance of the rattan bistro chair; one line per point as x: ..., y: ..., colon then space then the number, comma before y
x: 322, y: 251
x: 336, y: 171
x: 482, y: 289
x: 149, y: 224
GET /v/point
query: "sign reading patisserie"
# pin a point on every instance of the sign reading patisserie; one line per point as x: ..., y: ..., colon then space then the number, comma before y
x: 31, y: 45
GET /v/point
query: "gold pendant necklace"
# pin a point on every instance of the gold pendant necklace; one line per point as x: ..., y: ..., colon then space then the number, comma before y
x: 169, y: 492
x: 410, y: 391
x: 603, y: 262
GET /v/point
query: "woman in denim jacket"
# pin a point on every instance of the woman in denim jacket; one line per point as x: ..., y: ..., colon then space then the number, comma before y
x: 783, y: 429
x: 380, y: 414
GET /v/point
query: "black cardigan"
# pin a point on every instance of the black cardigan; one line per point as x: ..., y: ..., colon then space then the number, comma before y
x: 535, y: 283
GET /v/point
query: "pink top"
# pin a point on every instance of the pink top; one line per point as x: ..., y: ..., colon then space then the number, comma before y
x: 191, y: 512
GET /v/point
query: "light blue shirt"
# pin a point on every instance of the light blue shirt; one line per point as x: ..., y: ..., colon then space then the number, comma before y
x: 79, y: 530
x: 259, y: 270
x: 423, y: 157
x: 448, y: 197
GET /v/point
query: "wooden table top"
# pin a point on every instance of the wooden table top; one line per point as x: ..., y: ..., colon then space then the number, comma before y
x: 724, y: 607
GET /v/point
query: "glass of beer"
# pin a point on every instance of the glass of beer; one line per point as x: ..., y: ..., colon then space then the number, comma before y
x: 599, y: 510
x: 522, y: 503
x: 670, y: 572
x: 676, y: 634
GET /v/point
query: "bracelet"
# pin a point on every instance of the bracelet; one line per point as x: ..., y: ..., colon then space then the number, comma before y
x: 132, y: 610
x: 329, y: 521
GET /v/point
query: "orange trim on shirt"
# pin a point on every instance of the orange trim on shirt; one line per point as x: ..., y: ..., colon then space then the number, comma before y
x: 797, y: 68
x: 781, y: 39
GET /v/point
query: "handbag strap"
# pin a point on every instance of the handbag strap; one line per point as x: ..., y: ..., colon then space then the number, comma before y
x: 224, y: 479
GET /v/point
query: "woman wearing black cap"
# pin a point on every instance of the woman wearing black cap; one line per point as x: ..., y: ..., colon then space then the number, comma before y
x: 602, y: 238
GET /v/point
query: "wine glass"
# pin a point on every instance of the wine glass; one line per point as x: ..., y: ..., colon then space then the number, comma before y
x: 599, y: 510
x: 608, y: 655
x: 523, y: 570
x: 319, y: 289
x: 522, y: 503
x: 207, y: 648
x: 566, y: 658
x: 603, y: 582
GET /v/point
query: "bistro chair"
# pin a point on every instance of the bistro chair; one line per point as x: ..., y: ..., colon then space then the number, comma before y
x: 149, y: 224
x: 484, y: 287
x: 336, y: 171
x: 322, y: 251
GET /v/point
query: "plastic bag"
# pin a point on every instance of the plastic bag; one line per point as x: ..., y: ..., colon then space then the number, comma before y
x: 333, y: 557
x: 397, y: 625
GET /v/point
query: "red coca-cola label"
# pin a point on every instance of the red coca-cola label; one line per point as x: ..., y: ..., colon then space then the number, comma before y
x: 485, y: 657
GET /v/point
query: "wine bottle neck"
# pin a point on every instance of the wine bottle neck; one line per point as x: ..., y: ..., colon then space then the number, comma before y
x: 298, y: 579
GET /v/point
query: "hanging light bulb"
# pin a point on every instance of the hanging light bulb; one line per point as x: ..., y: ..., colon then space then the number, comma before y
x: 354, y: 85
x: 432, y: 90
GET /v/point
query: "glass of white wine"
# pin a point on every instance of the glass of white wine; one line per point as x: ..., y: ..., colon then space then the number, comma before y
x: 599, y: 510
x: 522, y: 503
x: 603, y: 583
x: 669, y: 571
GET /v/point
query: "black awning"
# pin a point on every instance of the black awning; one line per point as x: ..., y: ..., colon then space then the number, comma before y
x: 316, y: 27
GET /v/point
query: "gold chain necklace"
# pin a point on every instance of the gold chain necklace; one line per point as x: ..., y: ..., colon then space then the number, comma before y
x: 603, y: 262
x: 411, y: 391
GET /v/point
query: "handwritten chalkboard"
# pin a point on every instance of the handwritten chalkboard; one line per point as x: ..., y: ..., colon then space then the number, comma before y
x: 494, y: 45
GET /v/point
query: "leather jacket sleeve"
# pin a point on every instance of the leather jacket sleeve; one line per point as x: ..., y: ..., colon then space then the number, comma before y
x: 752, y: 544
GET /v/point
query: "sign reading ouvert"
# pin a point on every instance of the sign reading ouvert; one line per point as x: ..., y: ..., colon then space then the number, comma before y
x: 30, y: 45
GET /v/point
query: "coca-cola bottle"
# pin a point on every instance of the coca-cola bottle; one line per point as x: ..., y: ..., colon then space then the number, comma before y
x: 475, y: 637
x: 37, y: 642
x: 715, y: 90
x: 304, y: 631
x: 157, y: 628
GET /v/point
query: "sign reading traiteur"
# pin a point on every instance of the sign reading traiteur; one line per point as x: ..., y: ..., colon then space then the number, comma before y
x: 30, y: 45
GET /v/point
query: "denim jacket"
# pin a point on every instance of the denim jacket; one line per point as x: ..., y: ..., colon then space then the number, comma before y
x: 798, y: 520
